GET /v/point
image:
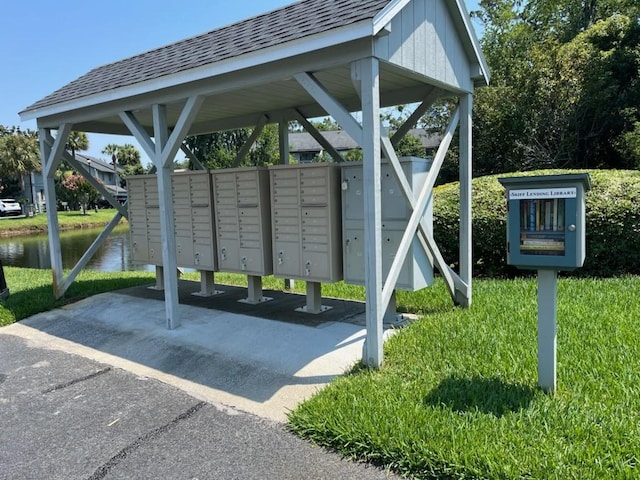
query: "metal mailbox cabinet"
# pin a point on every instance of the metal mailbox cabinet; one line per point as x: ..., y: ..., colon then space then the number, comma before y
x: 144, y: 219
x: 243, y: 220
x: 417, y: 271
x: 193, y: 220
x: 546, y: 221
x: 306, y: 224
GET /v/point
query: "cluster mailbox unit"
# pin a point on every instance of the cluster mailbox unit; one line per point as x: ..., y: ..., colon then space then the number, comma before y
x: 243, y: 220
x: 144, y: 219
x: 193, y: 219
x: 243, y: 225
x: 306, y: 227
x: 303, y: 221
x: 417, y: 270
x: 546, y: 232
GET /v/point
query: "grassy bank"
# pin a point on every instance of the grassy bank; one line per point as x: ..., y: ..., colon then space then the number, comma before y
x: 37, y: 224
x: 458, y: 397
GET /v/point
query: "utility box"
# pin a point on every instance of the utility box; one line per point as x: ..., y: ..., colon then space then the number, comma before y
x: 417, y: 270
x: 193, y: 220
x: 546, y: 221
x: 306, y: 224
x: 243, y: 220
x: 144, y: 219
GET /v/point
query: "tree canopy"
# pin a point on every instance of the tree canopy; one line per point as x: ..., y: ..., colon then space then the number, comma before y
x: 565, y: 89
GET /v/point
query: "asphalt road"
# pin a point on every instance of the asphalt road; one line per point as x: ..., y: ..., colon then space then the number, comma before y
x: 64, y: 416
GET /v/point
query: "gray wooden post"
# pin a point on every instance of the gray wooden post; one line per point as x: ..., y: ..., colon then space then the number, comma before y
x: 50, y: 159
x: 466, y: 258
x: 547, y: 330
x: 370, y: 94
x: 167, y: 224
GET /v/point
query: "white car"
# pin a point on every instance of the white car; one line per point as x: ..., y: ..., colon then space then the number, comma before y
x: 9, y: 206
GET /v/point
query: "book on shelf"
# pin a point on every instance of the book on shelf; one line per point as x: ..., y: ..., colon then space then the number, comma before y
x: 542, y: 215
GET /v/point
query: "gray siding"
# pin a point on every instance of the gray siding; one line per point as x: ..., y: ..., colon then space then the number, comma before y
x: 424, y: 39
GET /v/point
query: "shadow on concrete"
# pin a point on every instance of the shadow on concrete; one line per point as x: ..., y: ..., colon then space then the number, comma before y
x: 247, y: 351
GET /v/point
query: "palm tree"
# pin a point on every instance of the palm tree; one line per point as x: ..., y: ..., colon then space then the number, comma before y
x: 77, y: 141
x: 19, y: 156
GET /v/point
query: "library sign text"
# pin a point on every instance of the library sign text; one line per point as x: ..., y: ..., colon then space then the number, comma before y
x: 543, y: 193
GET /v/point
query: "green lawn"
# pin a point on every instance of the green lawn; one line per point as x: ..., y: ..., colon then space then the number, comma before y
x: 458, y: 398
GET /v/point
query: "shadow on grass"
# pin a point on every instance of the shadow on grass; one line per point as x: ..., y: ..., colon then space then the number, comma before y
x: 486, y: 395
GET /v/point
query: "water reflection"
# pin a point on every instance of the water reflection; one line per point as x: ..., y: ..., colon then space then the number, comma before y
x: 32, y: 251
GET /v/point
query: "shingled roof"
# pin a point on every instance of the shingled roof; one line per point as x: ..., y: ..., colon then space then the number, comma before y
x: 292, y: 22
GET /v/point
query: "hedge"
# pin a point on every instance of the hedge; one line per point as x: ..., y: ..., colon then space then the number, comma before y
x: 613, y: 223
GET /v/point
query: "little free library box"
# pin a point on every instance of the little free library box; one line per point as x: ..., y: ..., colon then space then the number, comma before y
x: 546, y: 221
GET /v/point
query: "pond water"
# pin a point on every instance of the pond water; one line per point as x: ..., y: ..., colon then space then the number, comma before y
x: 32, y: 251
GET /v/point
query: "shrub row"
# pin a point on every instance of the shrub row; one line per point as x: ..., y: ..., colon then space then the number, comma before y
x: 613, y: 224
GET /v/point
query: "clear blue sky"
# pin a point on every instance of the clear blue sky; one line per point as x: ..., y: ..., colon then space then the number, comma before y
x: 46, y: 45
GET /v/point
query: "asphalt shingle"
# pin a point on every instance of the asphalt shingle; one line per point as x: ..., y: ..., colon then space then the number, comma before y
x: 292, y: 22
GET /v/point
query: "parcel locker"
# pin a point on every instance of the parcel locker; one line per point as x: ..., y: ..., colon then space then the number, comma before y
x: 416, y: 272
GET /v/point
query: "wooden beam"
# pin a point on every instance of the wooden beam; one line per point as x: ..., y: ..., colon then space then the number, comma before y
x: 192, y: 156
x: 185, y: 120
x: 53, y: 159
x: 97, y: 243
x: 55, y: 253
x: 413, y: 119
x: 331, y: 105
x: 453, y: 282
x: 138, y: 131
x: 260, y: 124
x: 313, y: 131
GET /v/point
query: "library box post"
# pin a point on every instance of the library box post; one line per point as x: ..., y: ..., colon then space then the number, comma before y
x: 546, y: 221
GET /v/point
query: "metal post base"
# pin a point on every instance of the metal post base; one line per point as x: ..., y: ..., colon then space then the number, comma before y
x: 314, y: 300
x: 254, y: 290
x: 207, y: 285
x: 159, y: 286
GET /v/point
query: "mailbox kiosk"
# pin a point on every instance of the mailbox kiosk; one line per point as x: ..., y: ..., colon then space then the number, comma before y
x: 546, y: 232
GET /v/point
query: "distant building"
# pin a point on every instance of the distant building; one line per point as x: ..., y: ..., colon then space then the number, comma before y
x: 104, y: 171
x: 304, y: 148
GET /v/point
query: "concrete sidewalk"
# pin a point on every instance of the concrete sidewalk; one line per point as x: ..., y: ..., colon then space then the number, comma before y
x: 261, y: 366
x: 101, y: 389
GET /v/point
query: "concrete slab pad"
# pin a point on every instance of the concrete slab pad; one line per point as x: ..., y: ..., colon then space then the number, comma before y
x: 263, y: 366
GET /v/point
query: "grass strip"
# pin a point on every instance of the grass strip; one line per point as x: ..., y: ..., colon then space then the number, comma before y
x: 457, y: 396
x: 32, y: 290
x: 14, y: 226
